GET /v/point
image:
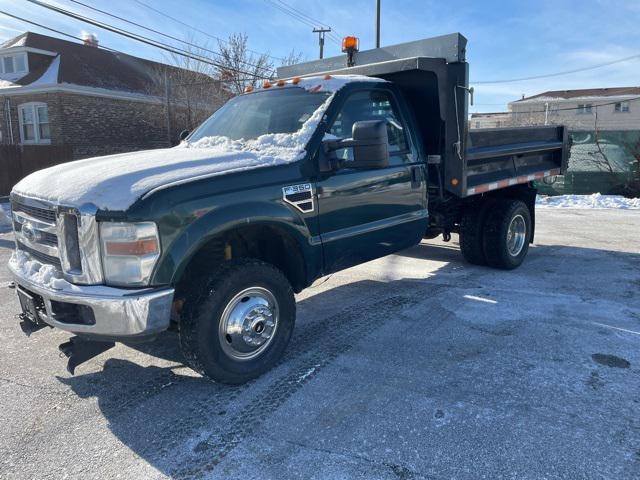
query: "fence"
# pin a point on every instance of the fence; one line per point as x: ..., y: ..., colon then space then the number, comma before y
x: 604, y: 162
x: 18, y: 161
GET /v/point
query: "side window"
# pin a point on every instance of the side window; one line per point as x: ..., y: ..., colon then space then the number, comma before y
x: 34, y: 123
x: 370, y: 105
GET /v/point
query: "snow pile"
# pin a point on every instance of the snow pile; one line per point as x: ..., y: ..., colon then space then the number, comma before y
x: 5, y: 217
x: 7, y: 84
x: 115, y: 182
x: 44, y: 275
x: 50, y: 76
x: 588, y: 201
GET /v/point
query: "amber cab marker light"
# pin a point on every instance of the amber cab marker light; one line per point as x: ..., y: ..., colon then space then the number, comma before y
x: 350, y: 44
x: 266, y: 84
x: 296, y: 80
x: 454, y: 181
x: 280, y: 83
x: 328, y: 77
x: 248, y: 89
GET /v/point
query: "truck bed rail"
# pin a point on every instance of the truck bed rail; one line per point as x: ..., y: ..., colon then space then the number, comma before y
x: 503, y: 157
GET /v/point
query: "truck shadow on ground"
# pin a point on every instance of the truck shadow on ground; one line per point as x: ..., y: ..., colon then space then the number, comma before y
x: 184, y: 425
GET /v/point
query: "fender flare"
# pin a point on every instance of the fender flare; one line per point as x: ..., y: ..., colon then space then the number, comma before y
x: 227, y: 218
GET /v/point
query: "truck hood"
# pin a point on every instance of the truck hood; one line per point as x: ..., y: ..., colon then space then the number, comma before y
x: 115, y: 182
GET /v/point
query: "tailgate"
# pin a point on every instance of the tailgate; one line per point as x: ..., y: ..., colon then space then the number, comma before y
x: 502, y: 157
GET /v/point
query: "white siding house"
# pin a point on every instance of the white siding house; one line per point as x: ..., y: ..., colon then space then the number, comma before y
x: 611, y: 108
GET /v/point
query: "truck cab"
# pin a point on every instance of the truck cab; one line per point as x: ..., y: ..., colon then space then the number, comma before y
x: 327, y: 168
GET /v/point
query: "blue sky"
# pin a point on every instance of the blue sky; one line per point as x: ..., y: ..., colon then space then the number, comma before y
x: 507, y: 39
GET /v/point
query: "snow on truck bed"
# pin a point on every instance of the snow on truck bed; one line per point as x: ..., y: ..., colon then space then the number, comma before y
x: 115, y: 182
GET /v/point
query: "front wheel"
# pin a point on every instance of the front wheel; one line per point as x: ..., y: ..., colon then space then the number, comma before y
x: 507, y: 233
x: 239, y: 324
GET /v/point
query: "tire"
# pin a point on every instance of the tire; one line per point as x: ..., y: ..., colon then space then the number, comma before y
x: 500, y: 249
x: 243, y: 294
x: 471, y: 233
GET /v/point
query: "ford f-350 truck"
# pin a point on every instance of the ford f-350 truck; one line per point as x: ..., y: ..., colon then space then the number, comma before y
x: 327, y: 168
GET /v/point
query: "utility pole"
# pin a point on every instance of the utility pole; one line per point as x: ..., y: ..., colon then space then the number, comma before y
x: 321, y: 31
x: 167, y: 118
x: 377, y: 23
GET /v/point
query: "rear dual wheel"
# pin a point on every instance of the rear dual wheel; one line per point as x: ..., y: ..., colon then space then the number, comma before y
x: 496, y: 234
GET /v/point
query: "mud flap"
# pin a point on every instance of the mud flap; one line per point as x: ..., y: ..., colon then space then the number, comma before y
x: 78, y: 350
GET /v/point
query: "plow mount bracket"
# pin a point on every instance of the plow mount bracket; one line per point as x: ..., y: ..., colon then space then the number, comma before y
x: 79, y: 350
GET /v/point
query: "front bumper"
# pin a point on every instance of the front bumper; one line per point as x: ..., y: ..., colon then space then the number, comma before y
x: 113, y: 313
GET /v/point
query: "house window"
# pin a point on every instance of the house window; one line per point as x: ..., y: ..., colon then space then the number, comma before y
x: 34, y: 123
x: 584, y: 108
x: 621, y: 107
x: 13, y: 64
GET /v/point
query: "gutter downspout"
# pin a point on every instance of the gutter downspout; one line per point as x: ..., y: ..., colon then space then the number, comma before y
x: 8, y: 117
x: 546, y: 113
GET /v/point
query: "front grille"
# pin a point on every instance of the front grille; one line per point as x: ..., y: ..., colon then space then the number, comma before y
x: 49, y: 239
x: 43, y: 214
x: 41, y: 257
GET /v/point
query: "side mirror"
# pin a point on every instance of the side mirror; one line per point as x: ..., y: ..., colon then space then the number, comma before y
x: 184, y: 134
x: 370, y: 143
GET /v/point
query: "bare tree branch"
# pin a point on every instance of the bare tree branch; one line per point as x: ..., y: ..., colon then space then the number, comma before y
x: 239, y: 67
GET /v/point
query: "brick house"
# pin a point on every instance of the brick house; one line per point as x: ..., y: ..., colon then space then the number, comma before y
x: 96, y: 101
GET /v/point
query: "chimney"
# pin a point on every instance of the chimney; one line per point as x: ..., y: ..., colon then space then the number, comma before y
x: 90, y: 39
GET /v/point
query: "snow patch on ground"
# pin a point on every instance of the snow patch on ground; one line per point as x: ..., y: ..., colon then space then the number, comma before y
x: 5, y: 217
x: 115, y: 182
x: 595, y: 200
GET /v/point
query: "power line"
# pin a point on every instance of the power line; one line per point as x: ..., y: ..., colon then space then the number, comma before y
x: 334, y: 33
x: 145, y: 40
x: 51, y: 29
x: 165, y: 34
x: 166, y: 15
x: 527, y: 112
x: 213, y: 81
x: 309, y: 22
x: 558, y: 74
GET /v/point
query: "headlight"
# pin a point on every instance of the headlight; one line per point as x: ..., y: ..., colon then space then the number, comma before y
x: 129, y: 252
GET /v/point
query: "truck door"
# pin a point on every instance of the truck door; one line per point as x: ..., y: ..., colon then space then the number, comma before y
x: 365, y: 214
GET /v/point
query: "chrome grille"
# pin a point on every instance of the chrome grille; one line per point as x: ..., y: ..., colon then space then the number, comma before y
x: 43, y: 214
x: 41, y: 257
x: 59, y: 235
x: 34, y: 223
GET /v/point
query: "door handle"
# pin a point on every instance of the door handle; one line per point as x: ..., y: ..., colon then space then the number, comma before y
x: 416, y: 176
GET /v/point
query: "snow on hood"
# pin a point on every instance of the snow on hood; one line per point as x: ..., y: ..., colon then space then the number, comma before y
x: 115, y: 182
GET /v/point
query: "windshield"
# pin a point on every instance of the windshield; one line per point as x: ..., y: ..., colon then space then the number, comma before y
x: 249, y: 116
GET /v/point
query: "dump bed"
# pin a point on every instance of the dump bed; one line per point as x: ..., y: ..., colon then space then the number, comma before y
x: 501, y: 157
x: 433, y: 76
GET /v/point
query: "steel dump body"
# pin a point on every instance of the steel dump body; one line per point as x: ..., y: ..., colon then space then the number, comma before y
x: 435, y: 84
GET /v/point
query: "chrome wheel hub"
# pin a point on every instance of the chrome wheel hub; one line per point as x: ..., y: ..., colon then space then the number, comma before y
x: 516, y: 235
x: 249, y: 323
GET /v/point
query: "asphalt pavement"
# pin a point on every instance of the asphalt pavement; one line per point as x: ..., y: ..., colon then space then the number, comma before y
x: 412, y: 366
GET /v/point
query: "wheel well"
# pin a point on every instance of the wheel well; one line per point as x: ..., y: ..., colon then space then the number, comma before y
x: 525, y: 193
x: 268, y: 243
